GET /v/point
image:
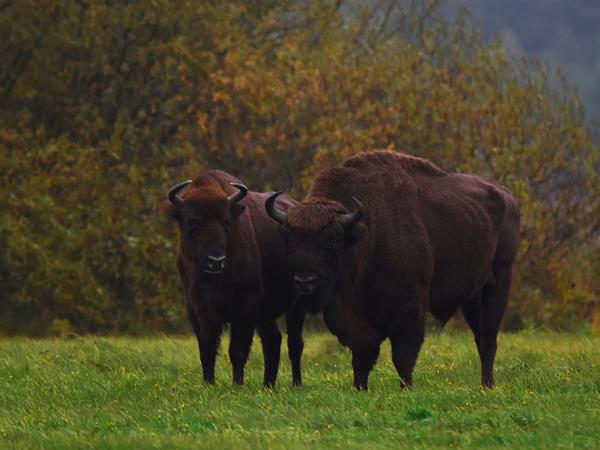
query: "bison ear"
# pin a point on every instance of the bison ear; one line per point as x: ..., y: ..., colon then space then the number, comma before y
x: 353, y: 233
x: 237, y: 210
x: 171, y: 211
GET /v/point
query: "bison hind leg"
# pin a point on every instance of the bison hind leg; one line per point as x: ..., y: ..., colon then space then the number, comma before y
x: 407, y: 336
x: 472, y: 313
x: 484, y: 314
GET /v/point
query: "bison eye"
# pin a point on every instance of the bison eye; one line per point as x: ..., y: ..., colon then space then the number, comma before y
x: 193, y: 224
x: 331, y: 241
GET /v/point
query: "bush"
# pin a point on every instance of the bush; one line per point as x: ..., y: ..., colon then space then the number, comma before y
x: 103, y: 106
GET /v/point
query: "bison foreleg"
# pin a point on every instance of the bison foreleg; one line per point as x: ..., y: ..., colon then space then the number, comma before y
x: 208, y: 333
x: 271, y: 344
x: 363, y: 361
x: 239, y: 347
x: 295, y: 321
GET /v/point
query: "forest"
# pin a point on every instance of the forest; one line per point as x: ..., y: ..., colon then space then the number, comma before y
x: 563, y: 33
x: 106, y: 104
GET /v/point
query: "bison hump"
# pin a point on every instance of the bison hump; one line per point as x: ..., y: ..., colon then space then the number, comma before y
x: 389, y: 158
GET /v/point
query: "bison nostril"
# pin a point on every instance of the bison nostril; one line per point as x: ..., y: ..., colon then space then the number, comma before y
x: 215, y: 258
x: 304, y: 279
x: 214, y: 263
x: 306, y: 282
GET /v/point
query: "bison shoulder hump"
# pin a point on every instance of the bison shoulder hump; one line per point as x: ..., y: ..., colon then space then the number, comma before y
x: 335, y: 178
x: 389, y: 158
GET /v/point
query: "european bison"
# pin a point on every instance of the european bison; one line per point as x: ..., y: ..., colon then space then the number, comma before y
x: 385, y: 237
x: 234, y: 270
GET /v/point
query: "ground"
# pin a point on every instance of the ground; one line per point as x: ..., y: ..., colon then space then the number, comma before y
x: 147, y: 393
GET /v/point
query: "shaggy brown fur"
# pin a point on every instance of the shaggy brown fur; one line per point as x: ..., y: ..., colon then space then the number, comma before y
x: 252, y: 290
x: 315, y: 215
x: 428, y: 241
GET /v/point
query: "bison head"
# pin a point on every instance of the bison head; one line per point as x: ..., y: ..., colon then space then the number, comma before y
x: 317, y: 233
x: 205, y: 216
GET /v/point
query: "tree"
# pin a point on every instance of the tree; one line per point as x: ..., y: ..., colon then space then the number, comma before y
x: 104, y: 105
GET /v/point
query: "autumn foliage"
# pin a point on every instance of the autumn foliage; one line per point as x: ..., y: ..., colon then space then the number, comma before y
x: 104, y: 105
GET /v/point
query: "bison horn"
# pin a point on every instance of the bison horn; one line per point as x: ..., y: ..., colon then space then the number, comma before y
x: 174, y: 197
x: 240, y: 194
x: 272, y: 210
x: 351, y: 218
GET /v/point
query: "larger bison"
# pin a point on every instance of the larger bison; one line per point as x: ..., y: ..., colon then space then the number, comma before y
x: 385, y: 237
x: 233, y: 268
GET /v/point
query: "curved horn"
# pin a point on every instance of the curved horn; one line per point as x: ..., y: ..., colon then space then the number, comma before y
x: 234, y: 198
x: 173, y: 197
x: 275, y: 214
x: 353, y: 217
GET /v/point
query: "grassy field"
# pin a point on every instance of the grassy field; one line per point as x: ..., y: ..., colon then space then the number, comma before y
x: 147, y: 393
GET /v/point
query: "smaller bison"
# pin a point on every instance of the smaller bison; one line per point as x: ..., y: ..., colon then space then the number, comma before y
x: 385, y: 237
x: 234, y: 271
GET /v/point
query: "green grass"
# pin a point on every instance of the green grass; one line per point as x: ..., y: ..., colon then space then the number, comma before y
x: 147, y: 393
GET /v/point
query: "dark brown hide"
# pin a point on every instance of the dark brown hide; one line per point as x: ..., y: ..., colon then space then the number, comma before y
x: 233, y: 267
x: 428, y: 241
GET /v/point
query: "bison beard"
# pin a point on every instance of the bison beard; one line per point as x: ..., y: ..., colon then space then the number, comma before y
x: 385, y: 237
x: 232, y: 264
